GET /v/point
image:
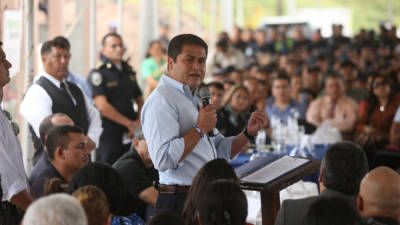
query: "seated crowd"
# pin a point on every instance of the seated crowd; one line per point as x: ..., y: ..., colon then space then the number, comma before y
x: 351, y: 84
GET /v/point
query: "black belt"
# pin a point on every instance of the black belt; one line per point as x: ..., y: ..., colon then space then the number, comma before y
x: 172, y: 189
x: 4, y: 206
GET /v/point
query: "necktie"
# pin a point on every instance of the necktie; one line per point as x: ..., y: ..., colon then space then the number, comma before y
x: 332, y: 110
x: 63, y: 87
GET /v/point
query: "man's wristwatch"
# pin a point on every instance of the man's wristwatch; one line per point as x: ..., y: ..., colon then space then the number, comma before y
x: 248, y: 136
x: 198, y: 131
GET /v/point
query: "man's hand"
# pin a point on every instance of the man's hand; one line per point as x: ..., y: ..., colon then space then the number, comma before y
x: 207, y: 118
x: 90, y: 146
x: 257, y: 121
x: 132, y: 125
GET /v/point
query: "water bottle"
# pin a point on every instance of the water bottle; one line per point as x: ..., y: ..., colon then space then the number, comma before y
x: 261, y: 140
x: 280, y: 137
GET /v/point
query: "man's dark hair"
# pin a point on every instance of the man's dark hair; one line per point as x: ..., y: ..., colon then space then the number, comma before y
x: 165, y: 217
x: 112, y: 34
x: 1, y: 43
x: 333, y: 76
x: 59, y: 42
x: 217, y: 85
x: 176, y: 44
x: 343, y: 167
x: 106, y: 178
x: 265, y: 69
x: 46, y: 125
x: 58, y: 136
x: 281, y: 76
x: 332, y: 211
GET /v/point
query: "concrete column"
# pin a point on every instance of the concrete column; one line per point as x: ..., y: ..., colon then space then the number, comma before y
x: 200, y: 18
x: 227, y: 13
x: 239, y: 13
x: 146, y: 22
x: 178, y: 19
x: 55, y: 18
x: 92, y: 27
x: 120, y: 16
x: 213, y: 24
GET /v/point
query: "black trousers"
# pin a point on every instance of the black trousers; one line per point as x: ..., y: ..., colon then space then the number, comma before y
x: 172, y: 202
x: 110, y: 147
x: 9, y: 214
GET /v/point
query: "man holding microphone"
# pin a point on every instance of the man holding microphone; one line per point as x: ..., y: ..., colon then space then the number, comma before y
x: 175, y: 123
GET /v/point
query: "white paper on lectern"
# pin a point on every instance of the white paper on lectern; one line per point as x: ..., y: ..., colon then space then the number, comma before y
x: 275, y: 169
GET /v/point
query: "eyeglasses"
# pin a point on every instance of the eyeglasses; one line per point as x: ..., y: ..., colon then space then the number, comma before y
x: 377, y: 84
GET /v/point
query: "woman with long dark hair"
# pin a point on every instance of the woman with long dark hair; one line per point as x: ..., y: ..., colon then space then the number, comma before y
x: 226, y: 204
x: 211, y: 171
x: 377, y: 113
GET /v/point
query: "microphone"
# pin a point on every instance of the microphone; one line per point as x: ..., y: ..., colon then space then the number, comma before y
x: 205, y: 94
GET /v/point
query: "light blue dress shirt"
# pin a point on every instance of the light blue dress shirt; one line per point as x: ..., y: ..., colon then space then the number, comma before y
x: 397, y: 116
x: 73, y: 78
x: 167, y: 115
x: 293, y: 108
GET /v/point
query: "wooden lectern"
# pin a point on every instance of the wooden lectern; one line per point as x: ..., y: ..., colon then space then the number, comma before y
x: 270, y: 201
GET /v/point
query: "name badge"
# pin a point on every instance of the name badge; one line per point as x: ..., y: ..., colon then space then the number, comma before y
x: 112, y: 84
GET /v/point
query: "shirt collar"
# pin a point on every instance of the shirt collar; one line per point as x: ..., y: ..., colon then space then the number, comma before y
x: 52, y: 79
x: 184, y: 89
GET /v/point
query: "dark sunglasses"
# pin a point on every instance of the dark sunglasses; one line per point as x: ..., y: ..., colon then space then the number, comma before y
x: 377, y: 84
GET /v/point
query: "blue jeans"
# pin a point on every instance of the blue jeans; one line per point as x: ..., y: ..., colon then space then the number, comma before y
x: 172, y: 202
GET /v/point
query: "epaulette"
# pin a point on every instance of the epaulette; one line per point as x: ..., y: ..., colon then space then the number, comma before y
x: 100, y: 64
x: 128, y: 67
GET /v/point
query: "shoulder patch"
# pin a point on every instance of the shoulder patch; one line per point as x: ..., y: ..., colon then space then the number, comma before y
x: 96, y: 78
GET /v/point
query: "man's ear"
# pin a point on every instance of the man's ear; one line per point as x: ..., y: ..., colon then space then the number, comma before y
x: 198, y: 218
x: 170, y: 63
x: 59, y: 152
x: 360, y: 203
x: 44, y: 59
x: 108, y: 221
x: 320, y: 178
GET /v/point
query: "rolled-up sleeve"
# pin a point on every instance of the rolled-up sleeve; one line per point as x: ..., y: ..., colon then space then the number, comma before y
x: 223, y: 145
x: 30, y: 110
x: 160, y: 124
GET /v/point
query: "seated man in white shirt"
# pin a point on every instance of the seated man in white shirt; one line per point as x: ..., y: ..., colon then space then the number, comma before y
x: 14, y: 187
x: 335, y: 108
x: 51, y: 93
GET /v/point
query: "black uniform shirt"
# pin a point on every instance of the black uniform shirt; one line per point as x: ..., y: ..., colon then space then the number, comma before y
x: 118, y: 86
